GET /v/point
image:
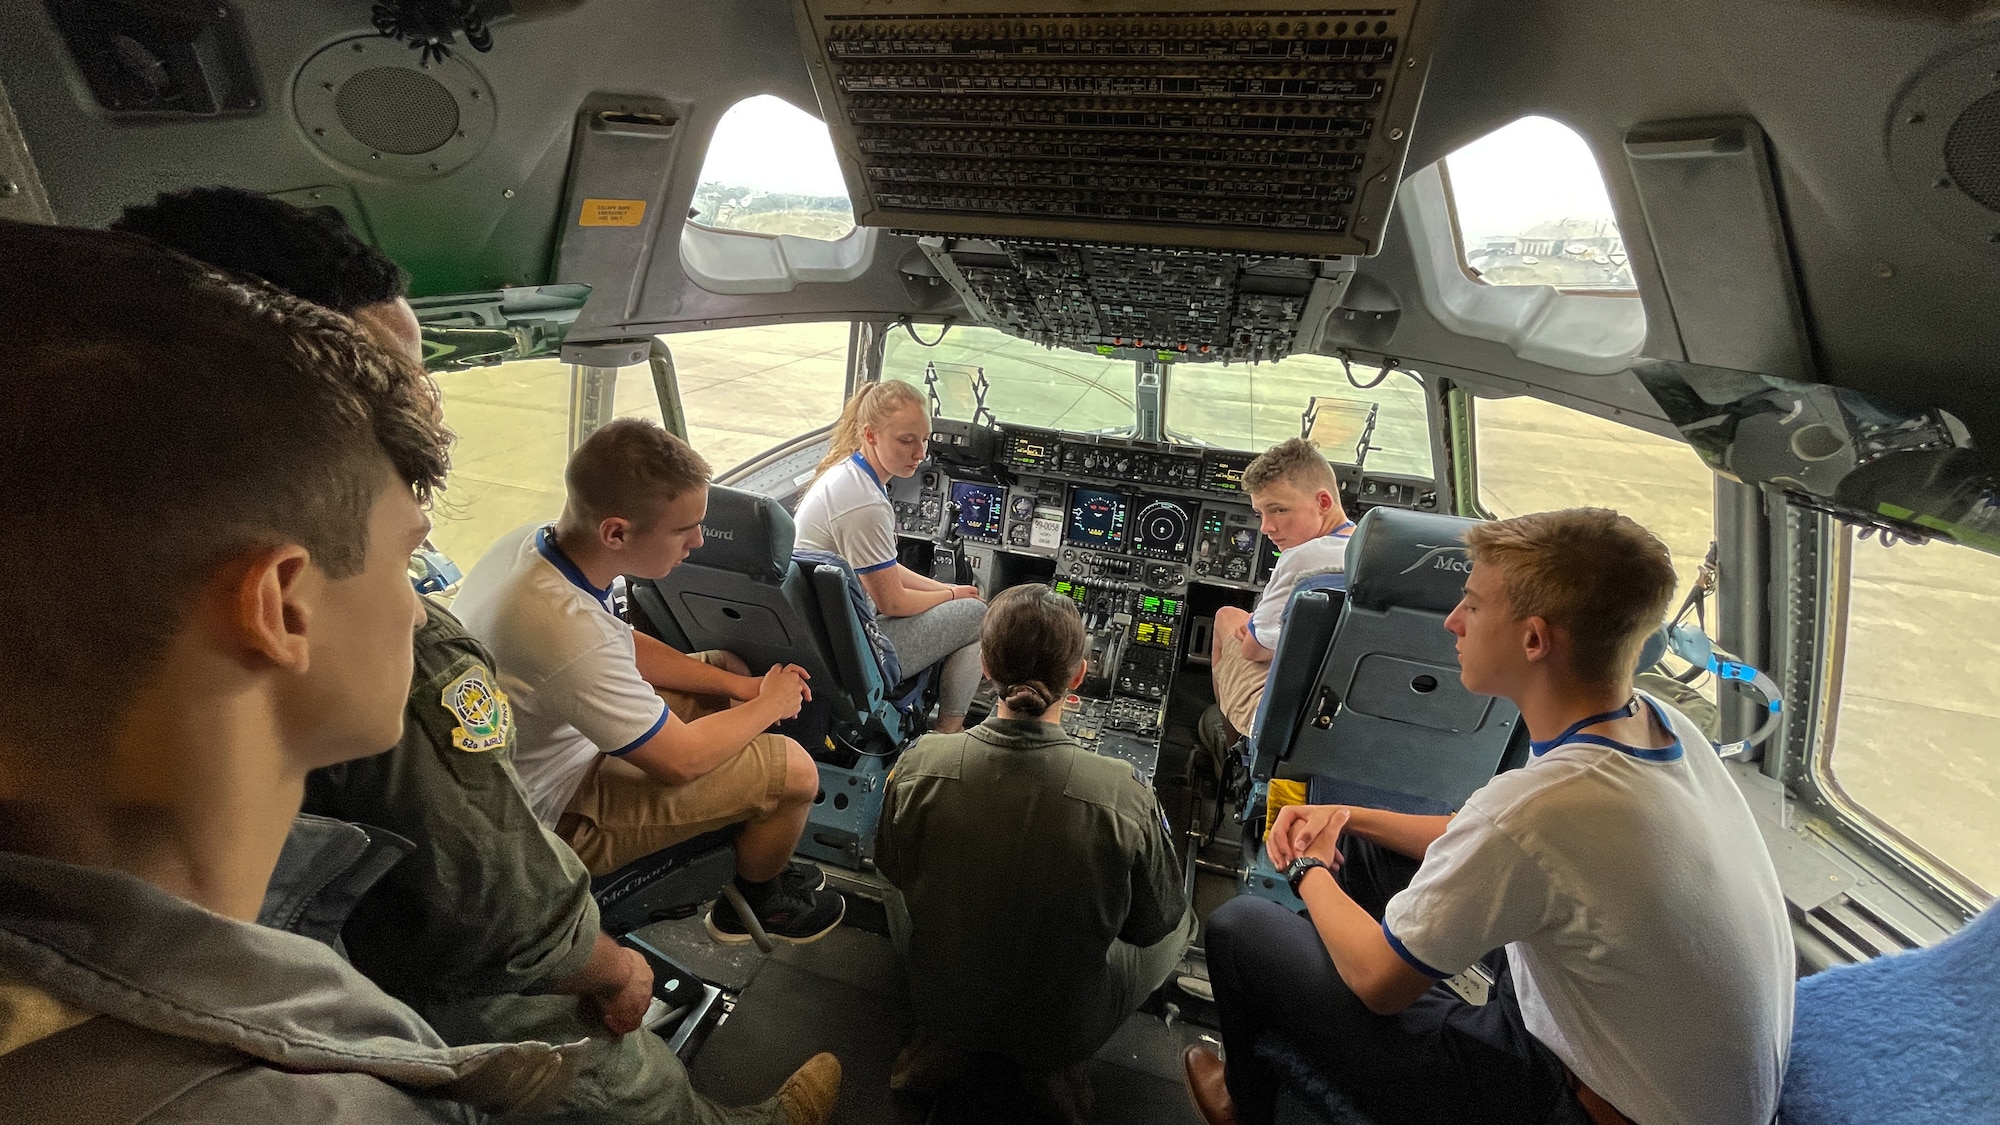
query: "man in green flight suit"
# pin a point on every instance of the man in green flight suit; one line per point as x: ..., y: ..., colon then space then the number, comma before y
x: 488, y: 928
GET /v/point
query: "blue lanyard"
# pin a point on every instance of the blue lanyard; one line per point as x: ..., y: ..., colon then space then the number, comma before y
x: 1336, y: 533
x: 1540, y: 748
x: 862, y: 462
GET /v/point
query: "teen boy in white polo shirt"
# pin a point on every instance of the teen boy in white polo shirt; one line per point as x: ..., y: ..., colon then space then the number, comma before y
x: 1297, y: 498
x: 625, y: 745
x: 1616, y: 887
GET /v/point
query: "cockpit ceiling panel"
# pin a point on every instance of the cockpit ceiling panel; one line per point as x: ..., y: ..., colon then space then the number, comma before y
x: 1264, y: 128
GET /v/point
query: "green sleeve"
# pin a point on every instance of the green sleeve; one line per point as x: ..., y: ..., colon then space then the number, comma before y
x: 490, y: 902
x: 1157, y: 902
x: 889, y: 852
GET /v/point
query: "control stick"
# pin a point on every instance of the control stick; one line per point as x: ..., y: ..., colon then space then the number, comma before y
x: 945, y: 565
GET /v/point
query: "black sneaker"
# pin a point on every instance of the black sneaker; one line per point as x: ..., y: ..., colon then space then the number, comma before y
x: 798, y: 918
x: 802, y: 877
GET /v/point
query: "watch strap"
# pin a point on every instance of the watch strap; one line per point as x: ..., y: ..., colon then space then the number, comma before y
x: 1295, y: 873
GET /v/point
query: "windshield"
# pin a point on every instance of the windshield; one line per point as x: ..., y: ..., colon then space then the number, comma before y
x: 1255, y: 406
x: 1026, y: 383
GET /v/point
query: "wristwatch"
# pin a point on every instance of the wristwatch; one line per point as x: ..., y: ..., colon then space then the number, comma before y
x: 1295, y: 872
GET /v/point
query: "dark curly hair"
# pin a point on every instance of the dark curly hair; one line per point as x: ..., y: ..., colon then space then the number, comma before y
x: 312, y: 254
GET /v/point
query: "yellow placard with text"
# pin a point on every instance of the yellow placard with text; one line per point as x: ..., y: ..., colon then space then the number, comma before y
x: 612, y: 213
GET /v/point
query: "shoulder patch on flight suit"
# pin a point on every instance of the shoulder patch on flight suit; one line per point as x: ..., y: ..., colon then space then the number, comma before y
x: 480, y: 708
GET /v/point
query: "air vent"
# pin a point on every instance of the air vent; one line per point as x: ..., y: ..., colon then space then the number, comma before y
x: 1843, y: 931
x: 374, y: 106
x: 149, y: 59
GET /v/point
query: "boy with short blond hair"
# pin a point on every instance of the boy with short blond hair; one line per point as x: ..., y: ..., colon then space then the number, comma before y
x: 1615, y: 891
x: 1297, y: 499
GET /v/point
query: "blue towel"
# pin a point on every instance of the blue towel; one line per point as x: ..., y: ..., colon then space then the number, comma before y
x: 1908, y: 1039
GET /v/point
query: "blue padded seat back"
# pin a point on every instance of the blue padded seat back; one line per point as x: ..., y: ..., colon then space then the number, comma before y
x: 740, y: 592
x: 1903, y: 1039
x: 854, y: 660
x: 1302, y: 644
x: 1387, y: 709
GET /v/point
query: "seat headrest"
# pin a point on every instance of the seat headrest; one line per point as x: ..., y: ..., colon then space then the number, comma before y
x: 1410, y: 560
x: 744, y: 533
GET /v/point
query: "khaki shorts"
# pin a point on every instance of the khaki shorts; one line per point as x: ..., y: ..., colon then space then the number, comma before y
x: 1239, y: 686
x: 620, y: 812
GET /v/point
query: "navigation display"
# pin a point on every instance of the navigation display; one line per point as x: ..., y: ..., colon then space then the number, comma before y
x: 1164, y: 529
x: 1096, y: 520
x: 981, y: 508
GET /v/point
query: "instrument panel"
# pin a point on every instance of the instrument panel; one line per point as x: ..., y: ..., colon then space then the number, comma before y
x: 1122, y: 526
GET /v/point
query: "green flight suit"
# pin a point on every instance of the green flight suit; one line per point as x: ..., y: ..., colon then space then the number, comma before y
x: 491, y: 908
x: 1038, y: 893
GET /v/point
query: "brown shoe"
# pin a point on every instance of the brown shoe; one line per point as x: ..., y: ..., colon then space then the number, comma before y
x: 1064, y: 1095
x: 1203, y: 1071
x: 926, y: 1066
x: 808, y: 1096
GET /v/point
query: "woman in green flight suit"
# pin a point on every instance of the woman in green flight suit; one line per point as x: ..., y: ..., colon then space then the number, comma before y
x: 1037, y: 895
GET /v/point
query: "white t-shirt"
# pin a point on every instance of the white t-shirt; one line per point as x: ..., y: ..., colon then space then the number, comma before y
x: 1642, y: 919
x: 566, y: 663
x: 847, y: 512
x: 1328, y: 553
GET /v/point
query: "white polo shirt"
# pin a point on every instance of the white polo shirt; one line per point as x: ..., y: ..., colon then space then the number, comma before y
x: 847, y: 512
x: 1642, y: 920
x: 568, y: 665
x: 1326, y: 554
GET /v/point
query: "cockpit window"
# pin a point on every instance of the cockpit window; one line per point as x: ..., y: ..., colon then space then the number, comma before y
x: 1257, y: 405
x: 1531, y: 209
x: 1023, y: 382
x: 770, y: 169
x: 1908, y: 735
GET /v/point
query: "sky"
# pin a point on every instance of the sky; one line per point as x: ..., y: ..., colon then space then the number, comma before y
x: 769, y: 143
x: 1526, y: 173
x: 1529, y: 172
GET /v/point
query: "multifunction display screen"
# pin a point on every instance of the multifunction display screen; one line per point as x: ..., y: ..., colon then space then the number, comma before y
x: 1096, y: 520
x: 981, y: 509
x: 1223, y: 472
x: 1164, y: 529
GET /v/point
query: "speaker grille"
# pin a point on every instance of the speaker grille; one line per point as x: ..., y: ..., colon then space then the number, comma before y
x: 397, y: 110
x: 1972, y: 151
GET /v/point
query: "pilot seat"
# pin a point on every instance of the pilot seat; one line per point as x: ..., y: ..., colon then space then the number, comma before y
x: 1364, y: 702
x: 744, y: 592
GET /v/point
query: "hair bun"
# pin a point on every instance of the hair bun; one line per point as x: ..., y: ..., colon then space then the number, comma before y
x: 1032, y: 697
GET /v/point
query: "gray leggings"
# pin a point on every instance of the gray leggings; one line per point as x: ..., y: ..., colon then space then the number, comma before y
x: 948, y: 632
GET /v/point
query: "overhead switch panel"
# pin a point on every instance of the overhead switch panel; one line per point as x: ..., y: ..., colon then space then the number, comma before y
x: 1262, y: 128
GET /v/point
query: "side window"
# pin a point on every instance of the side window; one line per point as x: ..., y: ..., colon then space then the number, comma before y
x: 771, y: 169
x: 512, y: 422
x: 1907, y: 736
x: 744, y: 390
x: 1531, y: 209
x: 1535, y: 456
